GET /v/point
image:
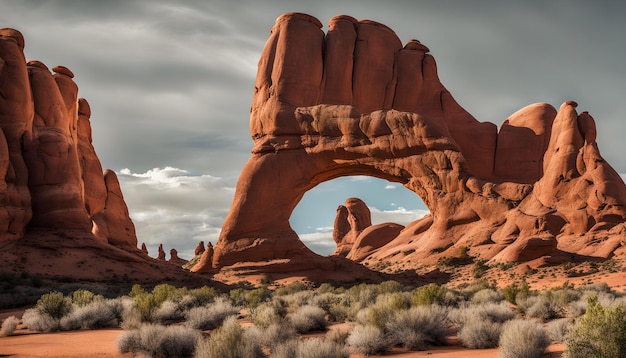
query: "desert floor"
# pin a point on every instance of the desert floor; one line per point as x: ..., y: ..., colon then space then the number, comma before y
x: 101, y: 343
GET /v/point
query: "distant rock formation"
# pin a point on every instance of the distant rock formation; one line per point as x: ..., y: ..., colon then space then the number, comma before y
x: 50, y: 176
x: 205, y: 264
x: 350, y: 221
x: 144, y: 249
x: 354, y: 101
x: 175, y: 259
x: 199, y: 248
x: 161, y: 253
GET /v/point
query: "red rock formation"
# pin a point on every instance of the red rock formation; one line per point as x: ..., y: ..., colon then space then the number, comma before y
x: 175, y: 259
x: 372, y: 239
x: 365, y: 105
x: 199, y: 248
x: 114, y: 223
x: 50, y: 176
x: 144, y: 249
x: 350, y: 221
x: 16, y: 122
x: 161, y: 253
x: 205, y: 265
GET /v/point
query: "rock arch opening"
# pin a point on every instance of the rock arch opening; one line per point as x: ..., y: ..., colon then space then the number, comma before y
x: 314, y: 217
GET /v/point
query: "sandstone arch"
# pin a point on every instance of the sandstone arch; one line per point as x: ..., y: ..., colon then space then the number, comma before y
x: 354, y: 101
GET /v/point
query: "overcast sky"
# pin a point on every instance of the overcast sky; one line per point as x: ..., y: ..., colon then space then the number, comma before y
x: 170, y: 85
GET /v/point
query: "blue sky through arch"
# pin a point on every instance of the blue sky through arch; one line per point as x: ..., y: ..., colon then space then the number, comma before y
x: 314, y: 216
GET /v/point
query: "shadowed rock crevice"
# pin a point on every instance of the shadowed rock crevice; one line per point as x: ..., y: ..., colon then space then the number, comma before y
x: 355, y: 101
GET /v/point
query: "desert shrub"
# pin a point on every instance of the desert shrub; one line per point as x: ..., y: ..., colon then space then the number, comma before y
x: 229, y: 341
x: 515, y: 292
x: 558, y: 328
x: 274, y: 334
x: 390, y: 287
x: 363, y: 294
x: 97, y: 314
x: 298, y: 299
x: 596, y: 287
x: 210, y: 317
x: 418, y: 327
x: 54, y: 304
x: 291, y: 288
x: 480, y: 334
x: 40, y: 322
x: 337, y: 306
x: 155, y: 340
x: 131, y: 317
x: 386, y: 305
x: 428, y: 295
x: 9, y: 325
x: 540, y: 307
x: 49, y: 310
x: 257, y: 296
x: 320, y: 348
x: 338, y: 336
x: 492, y: 312
x: 164, y: 292
x: 487, y: 295
x: 146, y: 305
x: 563, y: 297
x: 287, y: 349
x: 203, y: 295
x: 169, y: 311
x: 82, y: 297
x: 367, y: 340
x: 600, y: 332
x: 308, y: 318
x: 328, y: 288
x: 523, y: 339
x: 264, y: 315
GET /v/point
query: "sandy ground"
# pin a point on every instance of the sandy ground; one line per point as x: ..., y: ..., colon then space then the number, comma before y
x: 101, y: 343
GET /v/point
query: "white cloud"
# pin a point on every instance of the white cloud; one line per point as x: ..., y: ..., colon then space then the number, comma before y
x: 175, y: 207
x: 400, y: 215
x: 321, y: 241
x: 390, y: 186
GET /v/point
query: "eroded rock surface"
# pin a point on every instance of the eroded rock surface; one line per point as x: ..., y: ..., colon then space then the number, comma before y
x: 354, y: 101
x: 50, y: 176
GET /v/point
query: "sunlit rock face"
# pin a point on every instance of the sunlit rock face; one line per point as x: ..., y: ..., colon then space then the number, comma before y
x: 355, y: 101
x: 50, y: 176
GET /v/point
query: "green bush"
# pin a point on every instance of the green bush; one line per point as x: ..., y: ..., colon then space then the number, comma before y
x: 291, y: 288
x: 84, y: 297
x: 204, y: 295
x: 600, y: 332
x: 514, y: 292
x: 523, y: 339
x: 147, y: 305
x: 54, y: 305
x: 428, y: 295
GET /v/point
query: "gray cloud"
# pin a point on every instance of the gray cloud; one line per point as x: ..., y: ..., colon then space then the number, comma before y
x: 173, y: 207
